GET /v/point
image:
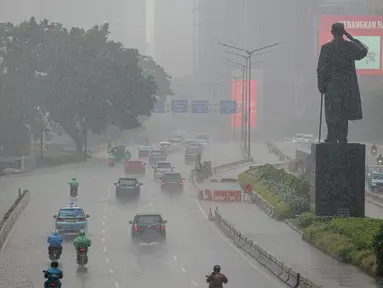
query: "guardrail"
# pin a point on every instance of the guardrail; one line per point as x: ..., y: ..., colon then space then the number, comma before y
x: 232, y: 165
x: 284, y: 273
x: 10, y: 218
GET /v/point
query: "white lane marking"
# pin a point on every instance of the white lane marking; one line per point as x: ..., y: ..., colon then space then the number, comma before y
x: 151, y: 207
x: 102, y: 231
x: 105, y: 249
x: 194, y: 283
x: 117, y: 284
x: 104, y: 216
x: 107, y: 260
x: 183, y: 270
x: 175, y: 258
x: 103, y: 239
x: 103, y: 222
x: 105, y: 209
x: 236, y: 249
x: 111, y: 271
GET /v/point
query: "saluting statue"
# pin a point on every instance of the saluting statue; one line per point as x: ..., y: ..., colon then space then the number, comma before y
x: 338, y: 82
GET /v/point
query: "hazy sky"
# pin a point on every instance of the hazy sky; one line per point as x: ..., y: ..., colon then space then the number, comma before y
x: 173, y: 23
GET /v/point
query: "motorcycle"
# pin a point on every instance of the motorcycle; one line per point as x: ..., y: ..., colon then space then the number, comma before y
x: 54, y: 253
x: 73, y: 191
x: 379, y: 162
x: 111, y: 163
x: 53, y: 284
x: 82, y: 257
x: 374, y: 151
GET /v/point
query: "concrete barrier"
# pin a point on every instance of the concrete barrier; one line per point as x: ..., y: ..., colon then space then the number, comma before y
x: 10, y: 218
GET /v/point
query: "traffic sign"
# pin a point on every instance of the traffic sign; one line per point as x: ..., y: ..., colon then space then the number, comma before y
x: 200, y: 106
x: 228, y: 107
x: 159, y: 107
x: 248, y: 188
x: 179, y: 106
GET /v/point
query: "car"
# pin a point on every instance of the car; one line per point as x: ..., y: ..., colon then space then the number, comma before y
x: 191, y: 155
x: 203, y: 143
x: 128, y: 186
x: 193, y: 144
x: 71, y: 220
x: 165, y: 146
x: 203, y: 136
x: 180, y: 134
x: 144, y: 151
x: 172, y: 181
x: 160, y: 168
x: 176, y: 142
x: 155, y: 156
x: 137, y: 167
x: 148, y: 228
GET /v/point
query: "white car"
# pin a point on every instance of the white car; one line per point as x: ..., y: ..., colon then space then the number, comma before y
x: 176, y: 143
x: 165, y: 146
x: 204, y: 143
x: 162, y: 167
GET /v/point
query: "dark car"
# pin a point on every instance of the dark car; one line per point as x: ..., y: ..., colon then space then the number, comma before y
x: 135, y: 167
x: 156, y: 156
x: 148, y: 228
x: 172, y: 182
x: 191, y: 155
x: 128, y: 187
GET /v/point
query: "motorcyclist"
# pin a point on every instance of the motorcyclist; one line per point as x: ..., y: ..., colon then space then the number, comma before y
x: 82, y: 242
x: 55, y: 241
x: 380, y: 158
x: 216, y: 279
x: 53, y: 274
x: 74, y: 184
x: 127, y: 155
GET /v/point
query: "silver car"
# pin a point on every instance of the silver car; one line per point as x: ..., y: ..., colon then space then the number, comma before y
x: 160, y: 168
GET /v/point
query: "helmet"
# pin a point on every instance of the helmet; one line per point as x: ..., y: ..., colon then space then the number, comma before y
x: 74, y: 179
x: 55, y: 232
x: 54, y: 264
x: 217, y: 268
x: 82, y: 233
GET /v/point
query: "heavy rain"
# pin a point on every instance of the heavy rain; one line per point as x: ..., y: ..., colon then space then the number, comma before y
x: 148, y: 143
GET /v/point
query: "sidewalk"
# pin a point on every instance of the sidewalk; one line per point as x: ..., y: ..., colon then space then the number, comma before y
x: 286, y: 244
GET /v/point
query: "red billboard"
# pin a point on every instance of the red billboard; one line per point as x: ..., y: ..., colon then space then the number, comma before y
x: 236, y: 94
x: 368, y: 29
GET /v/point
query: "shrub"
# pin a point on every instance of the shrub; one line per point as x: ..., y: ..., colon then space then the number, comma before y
x: 346, y: 239
x: 282, y: 209
x: 61, y: 158
x: 293, y: 191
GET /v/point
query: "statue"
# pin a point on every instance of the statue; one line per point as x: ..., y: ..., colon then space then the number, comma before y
x: 338, y: 83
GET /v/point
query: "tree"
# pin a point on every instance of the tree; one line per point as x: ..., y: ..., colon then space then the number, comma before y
x: 83, y: 80
x: 162, y: 79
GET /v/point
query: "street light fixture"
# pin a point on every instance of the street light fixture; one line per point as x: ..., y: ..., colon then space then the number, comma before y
x: 248, y: 58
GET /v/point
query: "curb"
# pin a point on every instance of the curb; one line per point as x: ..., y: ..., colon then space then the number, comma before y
x: 292, y: 226
x: 10, y: 218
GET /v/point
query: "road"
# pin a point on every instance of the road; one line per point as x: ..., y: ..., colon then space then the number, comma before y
x: 193, y: 244
x: 283, y: 242
x: 372, y: 210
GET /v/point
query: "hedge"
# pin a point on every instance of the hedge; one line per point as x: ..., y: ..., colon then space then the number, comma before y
x: 282, y: 210
x: 61, y: 158
x: 346, y: 239
x: 288, y: 189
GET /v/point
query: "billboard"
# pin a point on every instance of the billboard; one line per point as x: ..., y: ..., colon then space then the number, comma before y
x: 368, y: 29
x: 236, y: 95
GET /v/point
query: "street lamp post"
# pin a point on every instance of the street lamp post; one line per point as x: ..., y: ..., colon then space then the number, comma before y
x: 248, y: 58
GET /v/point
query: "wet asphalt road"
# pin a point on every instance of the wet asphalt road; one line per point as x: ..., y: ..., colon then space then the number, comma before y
x: 193, y: 245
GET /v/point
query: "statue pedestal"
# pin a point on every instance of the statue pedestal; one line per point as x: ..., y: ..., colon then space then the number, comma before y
x: 338, y: 178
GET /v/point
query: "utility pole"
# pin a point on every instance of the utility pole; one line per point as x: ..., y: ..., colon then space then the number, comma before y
x: 248, y: 62
x: 194, y: 36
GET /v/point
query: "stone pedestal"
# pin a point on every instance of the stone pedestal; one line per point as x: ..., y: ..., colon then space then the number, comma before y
x: 338, y: 179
